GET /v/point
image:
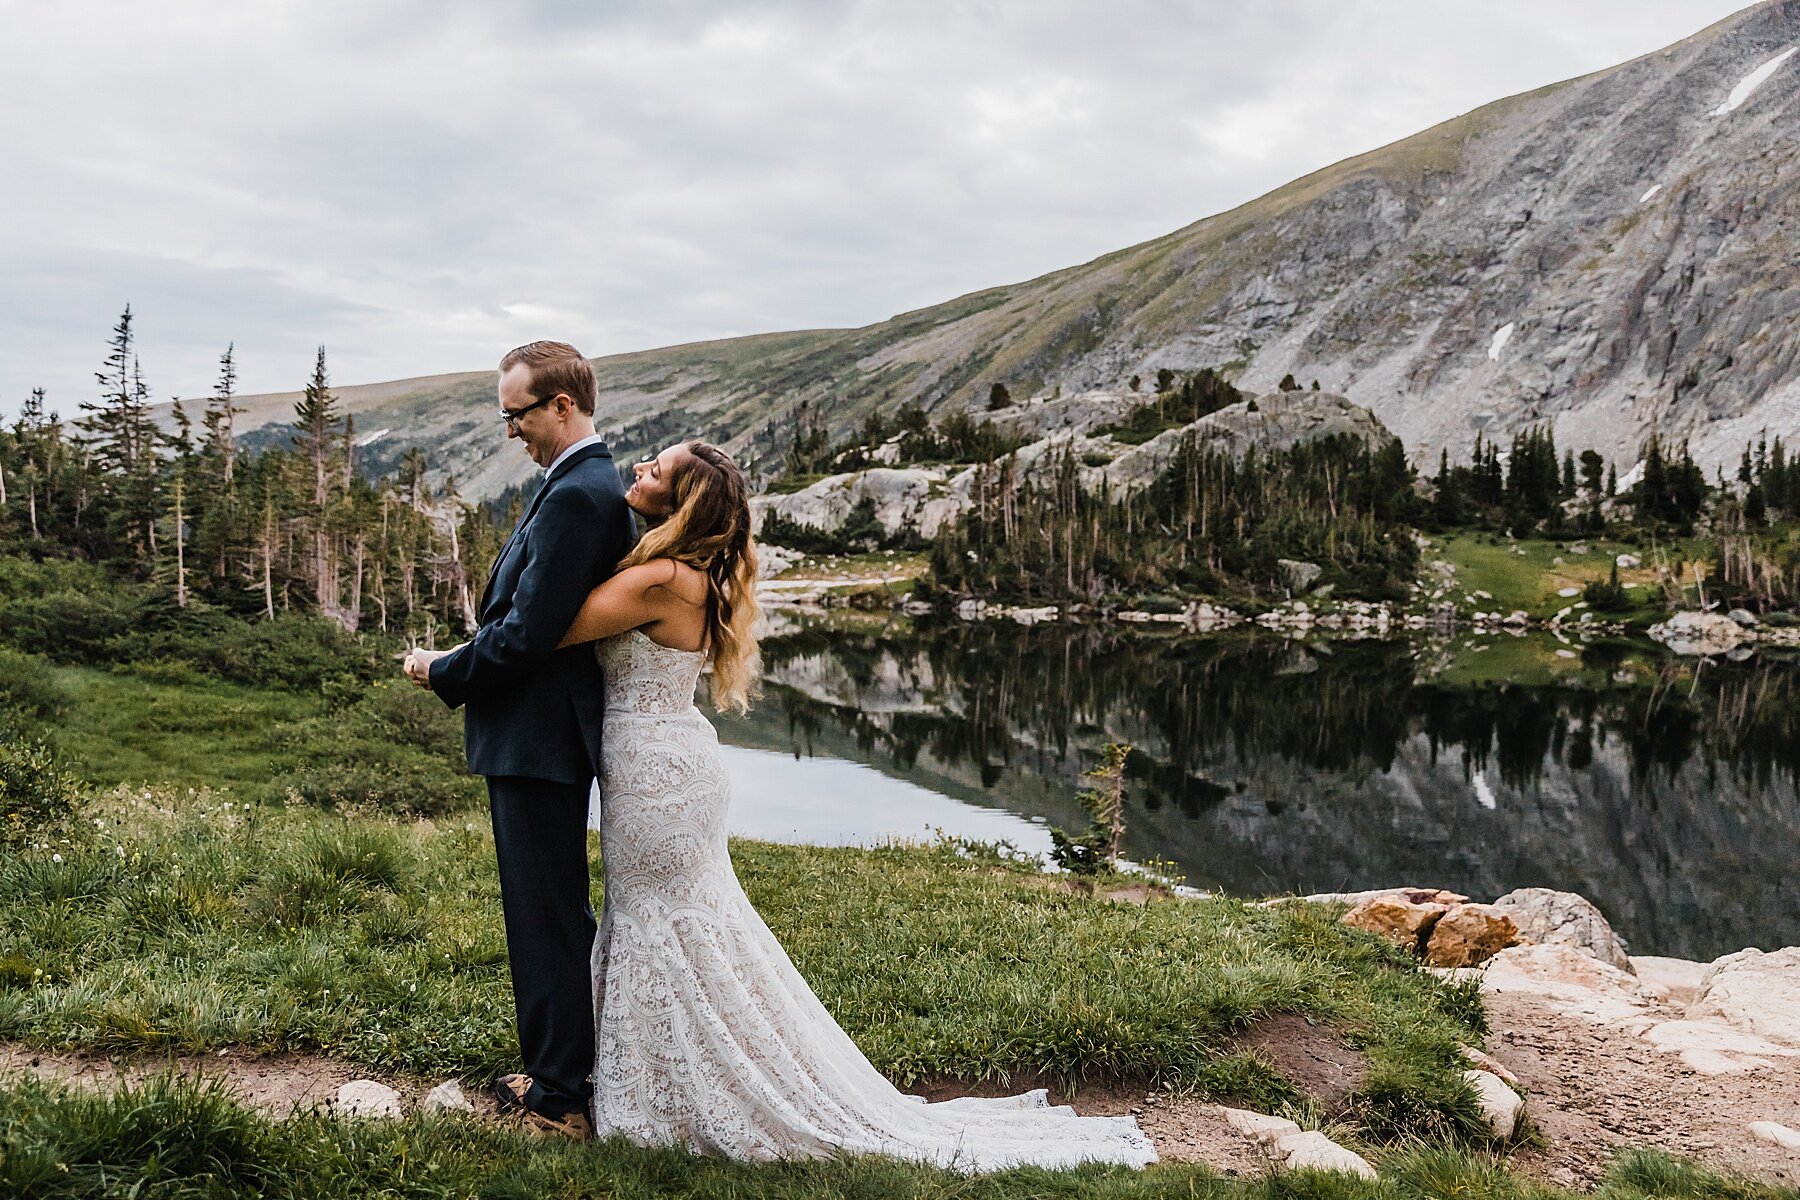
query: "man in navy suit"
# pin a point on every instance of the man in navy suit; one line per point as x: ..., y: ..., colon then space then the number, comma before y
x: 533, y: 722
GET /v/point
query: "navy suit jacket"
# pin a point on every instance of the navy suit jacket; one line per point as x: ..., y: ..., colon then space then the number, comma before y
x: 534, y: 710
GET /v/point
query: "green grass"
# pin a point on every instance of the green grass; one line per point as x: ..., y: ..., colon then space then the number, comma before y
x: 183, y: 922
x: 386, y: 746
x: 130, y: 728
x: 178, y: 1138
x: 1524, y: 576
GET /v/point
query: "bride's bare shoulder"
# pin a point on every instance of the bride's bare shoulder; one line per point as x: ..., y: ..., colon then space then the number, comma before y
x: 678, y: 579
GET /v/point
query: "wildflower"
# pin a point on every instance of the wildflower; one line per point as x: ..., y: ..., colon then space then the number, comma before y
x: 121, y: 851
x: 56, y: 858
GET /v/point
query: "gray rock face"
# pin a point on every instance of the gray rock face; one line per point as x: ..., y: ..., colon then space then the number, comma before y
x: 900, y: 495
x: 1276, y: 421
x: 926, y: 498
x: 1546, y: 915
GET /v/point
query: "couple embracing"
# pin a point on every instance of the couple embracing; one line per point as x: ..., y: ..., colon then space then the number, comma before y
x: 679, y: 1019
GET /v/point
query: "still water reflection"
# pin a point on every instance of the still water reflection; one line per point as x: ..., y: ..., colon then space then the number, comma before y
x: 1662, y: 790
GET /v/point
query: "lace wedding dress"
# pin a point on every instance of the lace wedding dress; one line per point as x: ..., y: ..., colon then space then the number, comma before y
x: 706, y: 1035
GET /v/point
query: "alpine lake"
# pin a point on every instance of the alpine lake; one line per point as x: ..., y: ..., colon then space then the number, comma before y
x: 1661, y: 788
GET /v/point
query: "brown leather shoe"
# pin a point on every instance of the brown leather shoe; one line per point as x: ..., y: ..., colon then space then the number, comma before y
x: 510, y: 1091
x: 573, y: 1124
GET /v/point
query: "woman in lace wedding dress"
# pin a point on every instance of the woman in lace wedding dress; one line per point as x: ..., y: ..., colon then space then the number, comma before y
x: 706, y: 1035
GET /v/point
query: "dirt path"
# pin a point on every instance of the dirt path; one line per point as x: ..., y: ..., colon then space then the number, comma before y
x: 1595, y: 1088
x: 275, y: 1084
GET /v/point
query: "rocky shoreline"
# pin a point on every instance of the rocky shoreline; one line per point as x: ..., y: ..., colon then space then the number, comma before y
x: 1725, y: 1033
x: 1733, y: 635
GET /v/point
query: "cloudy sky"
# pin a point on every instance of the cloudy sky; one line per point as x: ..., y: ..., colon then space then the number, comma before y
x: 420, y: 186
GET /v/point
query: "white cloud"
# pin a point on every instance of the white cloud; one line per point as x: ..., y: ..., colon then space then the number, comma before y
x: 420, y: 186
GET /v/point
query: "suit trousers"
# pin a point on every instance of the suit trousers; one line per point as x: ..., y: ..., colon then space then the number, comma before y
x: 540, y: 838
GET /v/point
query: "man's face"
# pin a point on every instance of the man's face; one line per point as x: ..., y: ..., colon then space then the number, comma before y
x: 540, y: 428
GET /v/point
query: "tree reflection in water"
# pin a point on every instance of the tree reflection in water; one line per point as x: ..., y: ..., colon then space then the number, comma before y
x: 1663, y: 790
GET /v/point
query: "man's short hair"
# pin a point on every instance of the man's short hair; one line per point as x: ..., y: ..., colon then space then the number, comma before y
x: 555, y: 367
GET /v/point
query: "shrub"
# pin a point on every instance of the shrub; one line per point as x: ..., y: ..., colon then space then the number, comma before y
x: 413, y: 717
x: 34, y: 793
x: 1609, y: 596
x: 26, y: 687
x: 403, y: 784
x: 66, y: 611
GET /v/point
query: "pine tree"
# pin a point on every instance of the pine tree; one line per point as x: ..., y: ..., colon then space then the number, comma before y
x: 219, y: 410
x: 316, y: 419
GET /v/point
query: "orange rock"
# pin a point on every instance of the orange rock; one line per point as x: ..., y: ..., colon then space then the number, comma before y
x: 1396, y: 919
x: 1469, y: 934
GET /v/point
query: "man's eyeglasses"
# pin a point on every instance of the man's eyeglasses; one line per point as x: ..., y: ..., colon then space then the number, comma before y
x: 511, y: 417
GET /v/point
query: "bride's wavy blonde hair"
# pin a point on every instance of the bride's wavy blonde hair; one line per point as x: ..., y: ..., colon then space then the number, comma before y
x: 709, y: 530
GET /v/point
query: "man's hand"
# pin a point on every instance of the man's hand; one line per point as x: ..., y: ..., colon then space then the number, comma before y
x: 418, y: 665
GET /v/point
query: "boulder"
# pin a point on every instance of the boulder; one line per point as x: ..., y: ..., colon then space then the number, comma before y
x: 1756, y: 992
x: 1314, y: 1151
x: 1500, y: 1105
x: 1773, y: 1131
x: 1469, y: 934
x: 1486, y: 1062
x: 1297, y: 575
x: 1698, y: 633
x: 1546, y: 915
x: 446, y: 1097
x: 1628, y: 562
x: 1401, y: 921
x: 1743, y: 616
x: 1260, y: 1126
x: 366, y: 1098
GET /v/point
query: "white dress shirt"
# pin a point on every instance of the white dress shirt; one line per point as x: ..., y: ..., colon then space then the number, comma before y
x: 592, y: 439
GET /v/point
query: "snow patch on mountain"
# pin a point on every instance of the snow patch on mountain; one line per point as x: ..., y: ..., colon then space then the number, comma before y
x: 1502, y: 336
x: 1645, y: 198
x: 1752, y: 81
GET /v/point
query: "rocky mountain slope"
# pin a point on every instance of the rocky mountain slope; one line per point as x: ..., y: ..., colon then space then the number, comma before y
x: 1606, y: 255
x: 926, y: 497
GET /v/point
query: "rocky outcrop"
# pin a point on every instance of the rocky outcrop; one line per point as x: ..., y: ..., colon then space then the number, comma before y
x: 925, y: 498
x: 1756, y: 992
x: 1547, y: 915
x: 1699, y: 633
x: 918, y: 497
x: 1271, y: 422
x: 1444, y: 935
x: 1405, y: 923
x: 1079, y: 414
x: 1469, y: 934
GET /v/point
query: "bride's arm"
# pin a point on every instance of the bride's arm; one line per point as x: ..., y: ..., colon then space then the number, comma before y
x: 635, y: 596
